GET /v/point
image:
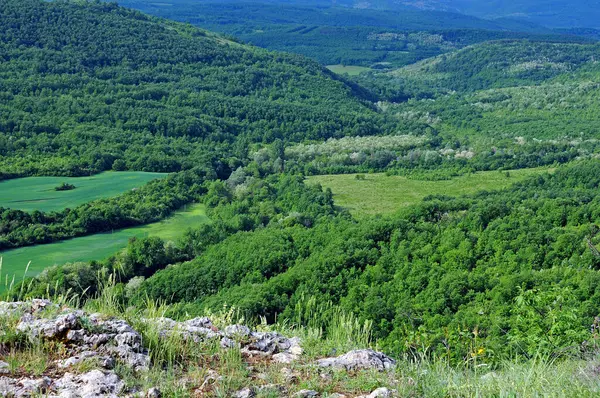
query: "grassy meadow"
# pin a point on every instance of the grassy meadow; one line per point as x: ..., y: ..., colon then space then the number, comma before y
x: 382, y: 194
x: 94, y: 247
x: 349, y: 69
x: 38, y: 193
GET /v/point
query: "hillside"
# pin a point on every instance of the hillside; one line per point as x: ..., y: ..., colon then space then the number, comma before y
x: 88, y: 87
x: 496, y: 64
x: 112, y: 353
x: 225, y: 269
x: 95, y: 76
x: 332, y: 34
x: 552, y: 13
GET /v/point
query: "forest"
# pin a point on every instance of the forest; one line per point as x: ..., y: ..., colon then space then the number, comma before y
x: 89, y: 86
x: 341, y: 34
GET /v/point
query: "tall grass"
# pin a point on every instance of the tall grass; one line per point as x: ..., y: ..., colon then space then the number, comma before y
x: 325, y: 330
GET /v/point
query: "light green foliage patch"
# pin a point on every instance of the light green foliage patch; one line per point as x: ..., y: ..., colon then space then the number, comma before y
x: 94, y: 247
x: 349, y: 69
x: 38, y: 193
x: 382, y: 194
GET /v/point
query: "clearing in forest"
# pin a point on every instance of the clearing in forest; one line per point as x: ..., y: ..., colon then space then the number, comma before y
x: 349, y: 69
x: 94, y: 247
x: 39, y: 193
x: 382, y: 194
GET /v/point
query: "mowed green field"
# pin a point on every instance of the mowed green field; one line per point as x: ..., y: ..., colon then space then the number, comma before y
x: 349, y: 69
x: 38, y: 193
x: 94, y: 247
x: 381, y: 194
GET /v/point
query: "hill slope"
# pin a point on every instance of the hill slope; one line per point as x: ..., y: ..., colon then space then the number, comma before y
x: 333, y: 34
x: 502, y: 63
x: 80, y: 80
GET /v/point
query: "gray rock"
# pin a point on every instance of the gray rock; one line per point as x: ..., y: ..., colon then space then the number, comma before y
x: 227, y: 343
x: 198, y: 334
x: 49, y: 328
x: 20, y: 307
x: 4, y: 367
x: 306, y: 394
x: 295, y: 346
x: 245, y: 393
x: 116, y: 326
x: 237, y: 332
x: 25, y: 387
x: 136, y: 360
x: 270, y: 343
x: 96, y: 340
x: 37, y: 305
x: 271, y: 388
x: 381, y: 393
x: 284, y: 358
x: 199, y: 323
x: 107, y: 363
x: 153, y: 393
x: 94, y: 384
x: 74, y: 360
x: 359, y: 359
x: 130, y: 339
x: 76, y: 335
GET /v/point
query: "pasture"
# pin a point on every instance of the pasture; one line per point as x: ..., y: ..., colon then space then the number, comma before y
x: 38, y: 193
x: 94, y: 247
x: 349, y: 69
x: 382, y: 194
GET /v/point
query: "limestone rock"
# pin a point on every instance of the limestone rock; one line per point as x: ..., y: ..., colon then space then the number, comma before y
x: 380, y: 393
x: 153, y: 393
x: 237, y: 332
x: 359, y: 359
x: 24, y: 387
x: 89, y: 385
x: 245, y: 393
x: 306, y: 394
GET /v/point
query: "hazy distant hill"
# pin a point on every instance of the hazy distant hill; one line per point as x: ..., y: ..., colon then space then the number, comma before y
x: 344, y: 34
x: 552, y: 13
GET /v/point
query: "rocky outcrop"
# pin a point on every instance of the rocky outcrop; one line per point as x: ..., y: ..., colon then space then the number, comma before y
x: 359, y: 359
x: 101, y: 342
x: 87, y: 337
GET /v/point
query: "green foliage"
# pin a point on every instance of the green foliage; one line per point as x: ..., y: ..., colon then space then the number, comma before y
x: 379, y: 193
x: 65, y: 187
x: 451, y: 277
x: 496, y: 64
x: 335, y: 35
x: 547, y: 321
x: 147, y: 204
x: 98, y: 87
x: 94, y: 247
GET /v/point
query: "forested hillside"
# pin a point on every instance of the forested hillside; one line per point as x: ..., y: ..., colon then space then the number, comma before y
x: 469, y: 282
x: 332, y: 34
x: 495, y: 64
x: 90, y: 87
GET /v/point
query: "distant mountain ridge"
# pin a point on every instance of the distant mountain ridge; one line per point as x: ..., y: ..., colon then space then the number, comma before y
x: 550, y: 13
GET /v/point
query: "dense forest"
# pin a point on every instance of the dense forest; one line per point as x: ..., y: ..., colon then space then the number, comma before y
x: 498, y: 263
x: 97, y: 87
x: 332, y: 34
x: 90, y: 86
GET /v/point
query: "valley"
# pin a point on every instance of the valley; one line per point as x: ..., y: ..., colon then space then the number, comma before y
x: 93, y: 248
x: 399, y: 182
